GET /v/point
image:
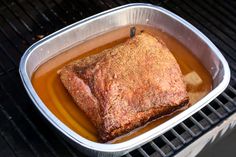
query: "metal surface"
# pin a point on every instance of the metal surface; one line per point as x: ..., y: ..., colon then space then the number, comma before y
x: 132, y: 14
x: 194, y: 148
x: 24, y: 132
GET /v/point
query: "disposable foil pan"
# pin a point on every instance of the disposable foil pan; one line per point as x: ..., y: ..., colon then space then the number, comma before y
x: 131, y: 14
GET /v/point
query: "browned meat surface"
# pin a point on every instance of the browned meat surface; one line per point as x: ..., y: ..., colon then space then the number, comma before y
x: 126, y: 86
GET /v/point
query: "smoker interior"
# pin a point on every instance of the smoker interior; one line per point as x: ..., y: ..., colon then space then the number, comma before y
x: 24, y: 131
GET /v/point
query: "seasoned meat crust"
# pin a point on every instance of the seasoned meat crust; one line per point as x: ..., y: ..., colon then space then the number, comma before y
x: 126, y: 86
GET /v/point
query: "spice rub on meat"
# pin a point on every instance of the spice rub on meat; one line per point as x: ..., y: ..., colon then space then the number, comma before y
x: 126, y: 86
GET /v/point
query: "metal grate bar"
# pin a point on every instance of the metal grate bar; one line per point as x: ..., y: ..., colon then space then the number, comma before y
x: 64, y: 8
x: 29, y: 15
x: 213, y: 30
x: 233, y: 78
x: 154, y: 146
x: 214, y: 111
x: 69, y: 9
x: 14, y: 56
x: 17, y: 108
x: 223, y: 11
x: 221, y: 27
x: 26, y: 137
x: 44, y: 141
x: 11, y: 18
x: 229, y: 99
x: 187, y: 129
x: 216, y: 19
x: 5, y: 63
x: 19, y: 132
x: 206, y: 117
x: 119, y: 2
x: 196, y: 123
x: 232, y: 3
x: 81, y: 10
x: 168, y: 142
x: 11, y: 136
x: 40, y: 12
x: 228, y: 7
x: 178, y: 136
x: 52, y: 11
x: 13, y: 26
x: 6, y: 37
x: 231, y: 89
x: 110, y: 4
x: 6, y: 148
x: 222, y: 105
x: 102, y: 3
x: 204, y: 28
x: 56, y: 22
x: 99, y: 4
x: 18, y: 15
x: 1, y: 71
x: 128, y: 155
x: 57, y: 10
x: 143, y: 152
x: 71, y: 151
x: 228, y: 52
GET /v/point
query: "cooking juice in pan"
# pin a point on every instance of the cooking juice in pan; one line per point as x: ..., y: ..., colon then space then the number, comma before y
x: 52, y: 92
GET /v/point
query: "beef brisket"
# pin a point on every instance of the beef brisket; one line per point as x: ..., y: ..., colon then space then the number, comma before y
x: 126, y: 86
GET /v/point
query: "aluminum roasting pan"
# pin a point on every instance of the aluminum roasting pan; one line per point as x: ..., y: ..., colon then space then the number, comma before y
x: 131, y: 14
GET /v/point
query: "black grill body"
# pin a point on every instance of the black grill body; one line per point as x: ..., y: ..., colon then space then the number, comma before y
x: 24, y: 132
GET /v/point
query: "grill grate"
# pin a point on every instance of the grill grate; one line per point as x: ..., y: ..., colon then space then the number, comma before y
x: 24, y: 132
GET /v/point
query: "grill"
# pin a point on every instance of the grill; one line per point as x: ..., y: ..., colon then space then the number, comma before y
x: 24, y: 132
